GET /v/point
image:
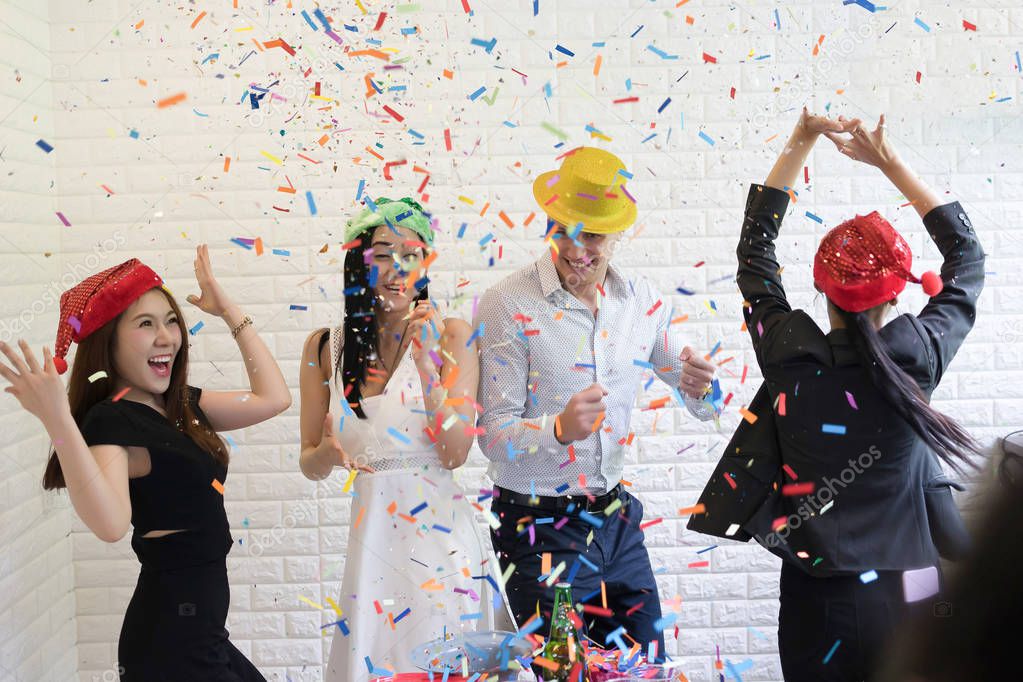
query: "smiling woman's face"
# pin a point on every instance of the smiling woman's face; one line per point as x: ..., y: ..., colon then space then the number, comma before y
x: 395, y: 253
x: 146, y: 343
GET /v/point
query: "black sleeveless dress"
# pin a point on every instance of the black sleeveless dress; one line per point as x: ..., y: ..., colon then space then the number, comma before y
x: 174, y: 627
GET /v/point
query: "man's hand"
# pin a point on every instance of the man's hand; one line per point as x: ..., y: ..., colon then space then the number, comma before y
x: 581, y: 416
x: 697, y: 373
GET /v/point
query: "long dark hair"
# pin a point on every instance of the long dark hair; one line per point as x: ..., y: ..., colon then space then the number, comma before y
x: 95, y: 353
x: 941, y: 433
x: 360, y: 329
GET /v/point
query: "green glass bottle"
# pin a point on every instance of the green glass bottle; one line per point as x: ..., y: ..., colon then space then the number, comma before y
x: 557, y: 648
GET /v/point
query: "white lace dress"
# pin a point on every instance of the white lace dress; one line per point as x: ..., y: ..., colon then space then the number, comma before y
x: 417, y: 561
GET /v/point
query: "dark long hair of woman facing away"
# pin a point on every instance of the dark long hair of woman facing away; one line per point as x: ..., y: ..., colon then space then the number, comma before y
x: 95, y: 353
x: 360, y: 329
x: 942, y: 434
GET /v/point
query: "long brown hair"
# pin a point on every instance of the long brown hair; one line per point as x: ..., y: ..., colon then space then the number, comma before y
x: 942, y: 434
x: 95, y: 353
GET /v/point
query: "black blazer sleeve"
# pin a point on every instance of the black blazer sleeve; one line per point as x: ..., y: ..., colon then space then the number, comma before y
x: 759, y: 277
x: 925, y: 344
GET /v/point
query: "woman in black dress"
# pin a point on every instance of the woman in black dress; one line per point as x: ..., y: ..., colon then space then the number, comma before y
x: 135, y: 445
x: 868, y: 509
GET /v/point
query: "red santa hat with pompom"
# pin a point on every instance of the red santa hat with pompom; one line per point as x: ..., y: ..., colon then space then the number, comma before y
x: 865, y: 262
x: 98, y: 299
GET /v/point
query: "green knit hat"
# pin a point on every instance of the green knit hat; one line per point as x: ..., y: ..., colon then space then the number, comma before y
x: 404, y: 212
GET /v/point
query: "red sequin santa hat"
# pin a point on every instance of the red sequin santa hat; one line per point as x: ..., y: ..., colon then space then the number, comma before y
x: 96, y: 300
x: 864, y: 262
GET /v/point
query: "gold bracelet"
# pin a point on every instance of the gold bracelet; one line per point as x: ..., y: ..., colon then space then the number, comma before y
x: 246, y: 321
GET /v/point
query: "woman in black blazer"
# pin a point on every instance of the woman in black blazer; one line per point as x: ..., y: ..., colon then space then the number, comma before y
x: 857, y: 441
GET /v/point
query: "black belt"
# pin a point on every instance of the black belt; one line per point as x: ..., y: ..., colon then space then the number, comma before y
x: 558, y: 504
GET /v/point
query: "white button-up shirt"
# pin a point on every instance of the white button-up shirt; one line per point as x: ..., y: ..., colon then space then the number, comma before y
x: 540, y: 345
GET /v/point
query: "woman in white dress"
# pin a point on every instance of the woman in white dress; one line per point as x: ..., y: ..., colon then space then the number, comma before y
x: 389, y: 394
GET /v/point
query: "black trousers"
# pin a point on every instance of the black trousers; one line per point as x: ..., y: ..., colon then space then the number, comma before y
x: 836, y: 629
x: 616, y: 555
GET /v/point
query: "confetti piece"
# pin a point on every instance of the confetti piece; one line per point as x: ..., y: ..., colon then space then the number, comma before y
x: 851, y: 399
x: 661, y: 53
x: 97, y: 376
x: 747, y: 415
x: 921, y: 24
x: 271, y: 157
x: 121, y: 394
x: 967, y: 26
x: 781, y: 404
x: 44, y: 145
x: 218, y: 486
x: 814, y: 218
x: 557, y: 132
x: 837, y: 429
x: 869, y: 6
x: 832, y: 651
x: 310, y: 602
x: 796, y: 489
x: 195, y: 329
x: 67, y: 223
x: 398, y: 117
x: 695, y: 509
x: 171, y: 101
x: 311, y: 201
x: 349, y: 481
x: 868, y: 577
x: 706, y: 138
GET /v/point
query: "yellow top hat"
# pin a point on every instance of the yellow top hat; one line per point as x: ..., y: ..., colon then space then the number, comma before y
x: 587, y: 189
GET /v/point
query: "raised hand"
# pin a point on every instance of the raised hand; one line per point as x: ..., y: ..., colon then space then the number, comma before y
x: 39, y: 389
x: 580, y: 415
x: 804, y: 136
x: 816, y: 124
x: 331, y: 448
x: 212, y: 299
x: 866, y: 146
x: 423, y: 343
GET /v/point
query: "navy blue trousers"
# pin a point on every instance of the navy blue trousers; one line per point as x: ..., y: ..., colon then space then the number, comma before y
x: 616, y: 555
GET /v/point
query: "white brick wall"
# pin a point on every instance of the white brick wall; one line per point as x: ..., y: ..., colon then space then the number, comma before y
x: 111, y: 61
x: 37, y: 596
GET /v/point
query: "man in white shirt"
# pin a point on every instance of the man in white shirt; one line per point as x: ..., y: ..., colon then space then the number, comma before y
x: 566, y: 342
